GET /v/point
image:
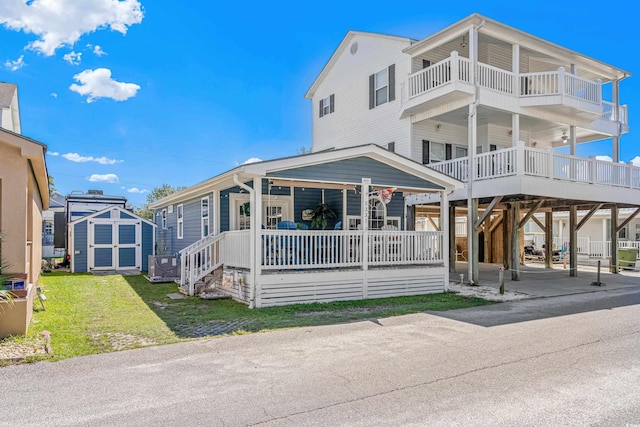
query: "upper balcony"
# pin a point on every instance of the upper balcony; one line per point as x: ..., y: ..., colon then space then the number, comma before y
x: 528, y: 170
x: 454, y: 79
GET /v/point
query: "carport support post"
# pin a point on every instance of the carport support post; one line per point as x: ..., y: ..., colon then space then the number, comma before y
x: 364, y: 215
x: 506, y: 218
x: 515, y: 241
x: 475, y: 237
x: 573, y: 241
x: 614, y: 239
x: 548, y: 239
x: 453, y: 258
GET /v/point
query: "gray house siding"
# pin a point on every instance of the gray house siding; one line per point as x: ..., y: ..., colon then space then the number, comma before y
x: 167, y: 239
x: 147, y: 245
x: 80, y: 247
x: 353, y: 170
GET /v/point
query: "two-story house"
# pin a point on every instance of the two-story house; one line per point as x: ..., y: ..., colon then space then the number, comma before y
x: 488, y: 105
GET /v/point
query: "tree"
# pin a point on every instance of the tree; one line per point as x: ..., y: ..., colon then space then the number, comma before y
x: 52, y: 185
x: 156, y: 194
x: 303, y: 150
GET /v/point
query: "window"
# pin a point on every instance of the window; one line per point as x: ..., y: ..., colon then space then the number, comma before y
x: 461, y: 152
x: 382, y: 87
x: 377, y: 213
x: 273, y: 216
x: 437, y: 152
x: 180, y: 212
x: 433, y: 152
x: 327, y: 105
x: 204, y: 215
x: 391, y: 147
x: 164, y: 219
x: 244, y: 215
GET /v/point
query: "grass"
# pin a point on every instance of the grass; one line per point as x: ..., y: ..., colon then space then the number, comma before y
x: 88, y: 314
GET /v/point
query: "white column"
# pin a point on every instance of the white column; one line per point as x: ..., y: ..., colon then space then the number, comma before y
x: 472, y: 138
x: 444, y: 228
x: 515, y: 68
x: 364, y: 218
x: 256, y: 238
x: 515, y: 129
x: 615, y: 146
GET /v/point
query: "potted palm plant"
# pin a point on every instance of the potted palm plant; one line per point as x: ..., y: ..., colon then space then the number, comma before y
x: 320, y: 214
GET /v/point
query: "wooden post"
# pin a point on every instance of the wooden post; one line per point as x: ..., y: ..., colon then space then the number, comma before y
x: 444, y: 228
x: 515, y: 241
x: 506, y: 253
x: 614, y: 240
x: 548, y: 239
x: 573, y: 241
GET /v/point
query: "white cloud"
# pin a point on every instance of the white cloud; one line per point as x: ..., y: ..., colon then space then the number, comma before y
x: 99, y: 84
x: 15, y: 65
x: 636, y: 161
x: 109, y: 177
x: 73, y: 57
x: 252, y: 160
x: 55, y: 95
x: 62, y: 22
x: 604, y: 158
x: 53, y: 153
x: 97, y: 51
x: 75, y: 157
x: 136, y: 190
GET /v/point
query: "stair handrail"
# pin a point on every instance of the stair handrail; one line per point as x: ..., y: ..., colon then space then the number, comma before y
x: 200, y: 259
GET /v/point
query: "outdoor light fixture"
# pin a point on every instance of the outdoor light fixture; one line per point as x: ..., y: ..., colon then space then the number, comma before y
x: 564, y: 137
x: 463, y: 44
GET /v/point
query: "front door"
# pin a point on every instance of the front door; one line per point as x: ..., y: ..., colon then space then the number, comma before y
x: 114, y: 245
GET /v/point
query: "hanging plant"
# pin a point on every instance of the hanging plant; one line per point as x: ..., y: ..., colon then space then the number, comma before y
x: 320, y: 214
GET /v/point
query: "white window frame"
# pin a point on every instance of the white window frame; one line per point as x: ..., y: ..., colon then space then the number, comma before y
x: 163, y: 219
x: 383, y: 206
x: 432, y: 157
x: 326, y: 106
x: 378, y: 87
x: 204, y: 217
x: 235, y: 200
x: 459, y: 151
x: 180, y: 221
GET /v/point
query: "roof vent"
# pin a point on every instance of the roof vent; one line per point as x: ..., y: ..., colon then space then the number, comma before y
x: 95, y: 192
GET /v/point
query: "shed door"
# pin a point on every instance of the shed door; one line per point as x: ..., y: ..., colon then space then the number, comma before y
x: 101, y: 246
x: 115, y: 245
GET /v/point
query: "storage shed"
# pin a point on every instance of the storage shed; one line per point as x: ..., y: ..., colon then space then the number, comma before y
x: 111, y: 239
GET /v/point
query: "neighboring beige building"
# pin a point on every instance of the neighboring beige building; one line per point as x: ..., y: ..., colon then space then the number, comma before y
x: 24, y: 191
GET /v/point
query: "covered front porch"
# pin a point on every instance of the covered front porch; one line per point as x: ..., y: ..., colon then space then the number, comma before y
x: 369, y: 250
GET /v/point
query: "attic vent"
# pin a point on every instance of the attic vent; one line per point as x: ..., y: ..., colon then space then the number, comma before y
x: 97, y: 192
x: 354, y: 48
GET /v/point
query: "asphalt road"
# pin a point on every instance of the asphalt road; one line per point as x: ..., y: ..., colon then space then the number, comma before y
x: 553, y: 361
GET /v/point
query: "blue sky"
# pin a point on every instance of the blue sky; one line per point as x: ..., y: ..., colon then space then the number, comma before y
x: 144, y: 92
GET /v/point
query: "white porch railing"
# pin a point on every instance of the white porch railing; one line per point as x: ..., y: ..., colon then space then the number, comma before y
x: 586, y: 246
x: 558, y: 82
x: 309, y: 249
x: 235, y: 249
x: 521, y: 160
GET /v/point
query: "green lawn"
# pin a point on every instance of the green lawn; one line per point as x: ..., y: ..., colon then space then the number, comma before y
x: 89, y: 314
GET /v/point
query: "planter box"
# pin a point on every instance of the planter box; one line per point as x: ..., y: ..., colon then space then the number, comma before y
x: 15, y: 315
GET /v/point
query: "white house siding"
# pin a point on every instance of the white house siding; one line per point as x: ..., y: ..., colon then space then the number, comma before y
x: 353, y: 123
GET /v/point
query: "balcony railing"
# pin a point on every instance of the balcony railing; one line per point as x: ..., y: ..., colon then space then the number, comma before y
x: 521, y: 160
x: 526, y: 85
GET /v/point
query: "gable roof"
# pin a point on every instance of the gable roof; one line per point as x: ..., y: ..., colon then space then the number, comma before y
x: 272, y: 167
x: 505, y: 32
x: 110, y: 208
x: 341, y: 48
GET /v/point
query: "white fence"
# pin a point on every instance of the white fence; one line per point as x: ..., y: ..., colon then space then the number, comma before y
x: 586, y: 246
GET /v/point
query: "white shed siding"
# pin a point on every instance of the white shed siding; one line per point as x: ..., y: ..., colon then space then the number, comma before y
x: 353, y: 123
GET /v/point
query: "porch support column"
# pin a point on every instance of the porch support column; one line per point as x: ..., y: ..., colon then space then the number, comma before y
x: 410, y: 217
x: 472, y: 214
x: 364, y: 215
x: 572, y: 142
x: 615, y: 115
x: 573, y: 241
x: 515, y: 129
x: 452, y: 239
x: 548, y: 239
x: 444, y: 228
x: 614, y: 239
x: 256, y: 238
x: 515, y: 241
x: 345, y: 224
